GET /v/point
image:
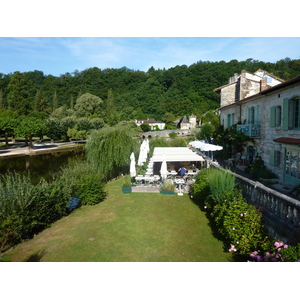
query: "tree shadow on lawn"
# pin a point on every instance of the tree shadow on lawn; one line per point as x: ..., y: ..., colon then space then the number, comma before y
x: 36, y: 257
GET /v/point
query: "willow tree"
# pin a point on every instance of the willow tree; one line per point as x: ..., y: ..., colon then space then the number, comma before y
x: 109, y: 150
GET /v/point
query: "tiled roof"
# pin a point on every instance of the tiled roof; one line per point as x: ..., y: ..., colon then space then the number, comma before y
x: 286, y: 140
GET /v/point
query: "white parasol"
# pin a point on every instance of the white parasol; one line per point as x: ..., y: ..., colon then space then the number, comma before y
x: 163, y: 169
x: 143, y: 153
x: 132, y: 165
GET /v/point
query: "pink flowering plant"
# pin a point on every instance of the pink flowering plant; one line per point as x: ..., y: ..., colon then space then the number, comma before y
x: 280, y: 252
x: 240, y: 224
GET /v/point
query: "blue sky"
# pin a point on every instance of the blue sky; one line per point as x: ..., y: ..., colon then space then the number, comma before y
x: 67, y: 36
x: 58, y: 55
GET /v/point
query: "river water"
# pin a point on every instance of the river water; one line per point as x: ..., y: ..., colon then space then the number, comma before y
x: 42, y: 165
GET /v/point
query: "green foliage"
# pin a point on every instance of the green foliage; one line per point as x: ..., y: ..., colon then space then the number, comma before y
x: 90, y: 189
x: 172, y: 134
x: 200, y: 190
x: 291, y: 253
x: 75, y: 134
x: 18, y: 96
x: 84, y: 182
x: 240, y: 224
x: 88, y: 105
x: 236, y: 220
x: 167, y: 186
x: 109, y: 150
x: 259, y: 170
x: 145, y: 127
x: 206, y: 132
x: 219, y: 182
x: 25, y: 208
x: 127, y: 181
x: 180, y: 90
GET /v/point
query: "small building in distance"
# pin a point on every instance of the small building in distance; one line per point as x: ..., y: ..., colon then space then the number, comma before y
x: 152, y: 123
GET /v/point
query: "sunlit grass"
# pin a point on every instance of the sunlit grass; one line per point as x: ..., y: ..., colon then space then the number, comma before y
x: 136, y: 227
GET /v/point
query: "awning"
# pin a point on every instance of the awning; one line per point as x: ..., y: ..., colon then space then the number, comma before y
x: 175, y: 154
x: 286, y: 140
x: 205, y: 146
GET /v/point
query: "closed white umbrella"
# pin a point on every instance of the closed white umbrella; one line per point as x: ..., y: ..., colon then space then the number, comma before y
x: 132, y: 165
x: 163, y: 168
x: 147, y: 146
x: 143, y: 154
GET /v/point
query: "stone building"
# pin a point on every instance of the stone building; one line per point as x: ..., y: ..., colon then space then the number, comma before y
x: 187, y: 123
x: 267, y: 109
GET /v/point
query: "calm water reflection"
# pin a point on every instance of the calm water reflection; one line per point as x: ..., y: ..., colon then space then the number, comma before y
x: 43, y: 165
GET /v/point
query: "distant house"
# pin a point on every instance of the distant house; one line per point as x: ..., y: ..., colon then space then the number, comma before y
x: 152, y: 123
x: 186, y: 123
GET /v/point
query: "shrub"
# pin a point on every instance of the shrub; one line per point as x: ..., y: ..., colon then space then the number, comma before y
x: 240, y: 224
x: 220, y: 183
x: 259, y: 170
x: 200, y: 189
x: 167, y: 186
x: 279, y: 252
x: 26, y: 209
x: 84, y: 182
x: 90, y: 189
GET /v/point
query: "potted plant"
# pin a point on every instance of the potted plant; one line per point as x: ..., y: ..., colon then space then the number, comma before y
x: 126, y: 187
x: 167, y: 188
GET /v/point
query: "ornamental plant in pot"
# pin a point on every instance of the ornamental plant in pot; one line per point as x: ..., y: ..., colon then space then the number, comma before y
x: 126, y: 187
x: 167, y: 188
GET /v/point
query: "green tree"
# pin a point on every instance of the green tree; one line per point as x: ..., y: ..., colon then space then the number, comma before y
x: 88, y: 105
x: 1, y: 100
x: 29, y: 127
x: 18, y: 96
x: 8, y: 121
x: 111, y: 116
x: 54, y: 129
x: 206, y: 132
x: 145, y: 127
x: 109, y: 150
x: 41, y: 102
x: 54, y: 101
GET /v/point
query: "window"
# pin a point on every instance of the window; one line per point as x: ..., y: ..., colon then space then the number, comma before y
x: 275, y: 116
x: 291, y: 113
x: 252, y: 115
x: 228, y: 120
x: 278, y: 115
x: 275, y: 158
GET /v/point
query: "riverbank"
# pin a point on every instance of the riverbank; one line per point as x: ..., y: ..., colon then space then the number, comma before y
x: 18, y: 150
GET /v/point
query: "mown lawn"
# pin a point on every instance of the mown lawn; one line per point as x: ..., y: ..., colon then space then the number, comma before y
x: 136, y: 227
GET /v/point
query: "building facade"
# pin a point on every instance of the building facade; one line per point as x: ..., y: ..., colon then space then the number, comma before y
x: 269, y: 112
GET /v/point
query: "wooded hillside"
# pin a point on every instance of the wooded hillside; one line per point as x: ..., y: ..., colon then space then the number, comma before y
x: 180, y: 90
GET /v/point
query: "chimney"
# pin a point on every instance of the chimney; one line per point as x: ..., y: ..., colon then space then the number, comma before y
x: 263, y: 85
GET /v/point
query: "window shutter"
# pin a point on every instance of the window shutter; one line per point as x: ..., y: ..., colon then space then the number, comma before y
x: 273, y: 116
x: 247, y: 115
x: 285, y: 123
x: 256, y: 114
x: 272, y: 158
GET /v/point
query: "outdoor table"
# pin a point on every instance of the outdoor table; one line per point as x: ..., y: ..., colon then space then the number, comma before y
x: 148, y: 179
x: 156, y: 179
x: 139, y: 179
x: 173, y: 174
x: 179, y: 181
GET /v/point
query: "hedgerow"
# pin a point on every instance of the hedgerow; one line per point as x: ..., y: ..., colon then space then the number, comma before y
x: 26, y: 209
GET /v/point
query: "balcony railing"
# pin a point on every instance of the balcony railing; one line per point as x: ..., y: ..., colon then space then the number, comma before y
x: 251, y: 130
